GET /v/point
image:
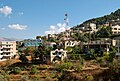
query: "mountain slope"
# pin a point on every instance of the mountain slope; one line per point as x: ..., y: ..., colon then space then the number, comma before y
x: 113, y: 18
x: 8, y: 39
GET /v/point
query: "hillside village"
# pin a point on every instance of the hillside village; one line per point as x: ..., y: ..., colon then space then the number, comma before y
x: 88, y: 47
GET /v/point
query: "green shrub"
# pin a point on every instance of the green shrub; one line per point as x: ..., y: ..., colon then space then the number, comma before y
x: 48, y: 79
x: 16, y: 70
x: 109, y: 57
x: 114, y: 69
x: 55, y: 79
x: 78, y: 67
x: 104, y: 64
x: 89, y: 78
x: 106, y: 57
x: 36, y: 78
x: 42, y: 67
x: 102, y: 61
x: 66, y: 60
x: 33, y: 70
x: 81, y: 60
x: 3, y: 76
x: 24, y: 78
x: 65, y: 66
x: 93, y: 61
x: 99, y: 59
x: 7, y: 70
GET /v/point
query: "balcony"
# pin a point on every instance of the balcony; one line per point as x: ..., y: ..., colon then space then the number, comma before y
x: 7, y: 51
x: 1, y: 51
x: 7, y: 46
x: 118, y: 54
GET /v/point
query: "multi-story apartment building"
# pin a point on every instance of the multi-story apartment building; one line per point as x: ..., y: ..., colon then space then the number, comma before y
x: 71, y: 43
x: 116, y: 29
x: 7, y: 49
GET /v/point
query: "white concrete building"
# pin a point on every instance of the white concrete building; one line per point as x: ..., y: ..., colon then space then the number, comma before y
x: 116, y: 29
x: 71, y: 43
x: 7, y: 49
x: 61, y: 54
x: 93, y: 27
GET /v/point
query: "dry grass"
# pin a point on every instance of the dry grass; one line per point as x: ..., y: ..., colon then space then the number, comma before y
x: 8, y: 62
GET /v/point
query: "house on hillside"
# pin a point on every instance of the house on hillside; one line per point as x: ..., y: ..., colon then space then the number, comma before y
x: 116, y: 29
x: 116, y: 43
x: 89, y: 28
x: 101, y: 44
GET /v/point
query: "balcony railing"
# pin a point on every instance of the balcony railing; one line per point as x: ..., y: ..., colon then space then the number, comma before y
x: 96, y: 42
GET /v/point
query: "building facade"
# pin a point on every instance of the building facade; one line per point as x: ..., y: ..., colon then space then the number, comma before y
x: 116, y: 29
x: 61, y: 54
x: 71, y: 43
x: 7, y: 49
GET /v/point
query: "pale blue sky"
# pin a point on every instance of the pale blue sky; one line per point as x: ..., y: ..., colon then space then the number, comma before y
x: 29, y: 18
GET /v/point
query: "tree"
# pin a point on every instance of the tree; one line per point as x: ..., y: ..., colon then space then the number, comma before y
x: 69, y: 49
x: 23, y: 58
x: 104, y: 32
x: 37, y: 37
x: 40, y: 52
x: 76, y: 50
x: 29, y: 50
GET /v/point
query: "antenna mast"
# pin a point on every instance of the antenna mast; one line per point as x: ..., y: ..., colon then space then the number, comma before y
x: 66, y: 20
x: 67, y: 26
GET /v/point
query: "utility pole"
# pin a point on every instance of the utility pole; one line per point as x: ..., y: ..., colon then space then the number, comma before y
x: 89, y: 38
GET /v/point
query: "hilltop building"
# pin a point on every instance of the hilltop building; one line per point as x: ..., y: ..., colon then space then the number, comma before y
x: 116, y: 29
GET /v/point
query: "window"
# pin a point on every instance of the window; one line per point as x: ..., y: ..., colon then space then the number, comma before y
x: 72, y: 43
x: 67, y: 43
x: 53, y: 53
x: 115, y: 28
x: 60, y: 53
x: 114, y: 32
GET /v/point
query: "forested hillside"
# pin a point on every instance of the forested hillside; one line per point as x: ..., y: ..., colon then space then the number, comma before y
x: 113, y: 18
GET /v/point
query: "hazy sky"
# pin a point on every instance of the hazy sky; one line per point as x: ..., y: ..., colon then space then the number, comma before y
x: 29, y: 18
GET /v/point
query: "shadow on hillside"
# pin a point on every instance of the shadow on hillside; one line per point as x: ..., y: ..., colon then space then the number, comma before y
x: 20, y: 64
